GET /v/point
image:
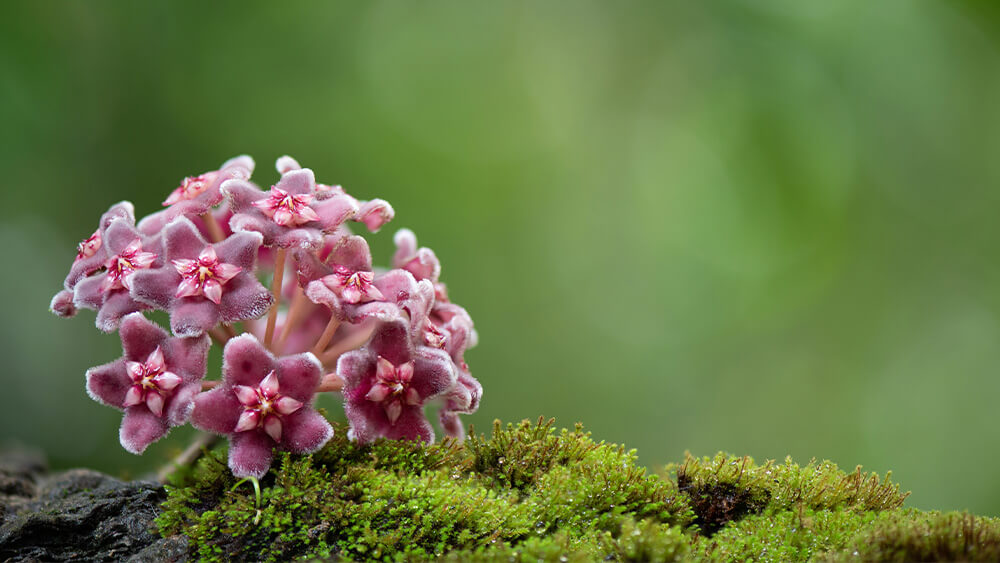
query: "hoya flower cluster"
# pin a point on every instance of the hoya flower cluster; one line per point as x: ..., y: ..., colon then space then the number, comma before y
x: 278, y: 279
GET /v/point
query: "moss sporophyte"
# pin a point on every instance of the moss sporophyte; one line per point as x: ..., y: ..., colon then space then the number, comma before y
x: 279, y: 281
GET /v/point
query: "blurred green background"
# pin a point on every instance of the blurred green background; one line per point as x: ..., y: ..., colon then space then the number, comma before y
x: 762, y: 227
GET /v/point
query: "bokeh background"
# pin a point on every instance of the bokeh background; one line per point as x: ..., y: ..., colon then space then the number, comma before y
x: 768, y: 228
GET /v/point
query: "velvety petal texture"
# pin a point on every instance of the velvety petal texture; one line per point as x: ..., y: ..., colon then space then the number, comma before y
x: 387, y: 383
x: 262, y: 403
x: 107, y: 291
x: 154, y: 381
x: 202, y: 284
x: 289, y: 215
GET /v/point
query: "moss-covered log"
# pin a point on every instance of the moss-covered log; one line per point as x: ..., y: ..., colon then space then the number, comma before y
x: 529, y: 493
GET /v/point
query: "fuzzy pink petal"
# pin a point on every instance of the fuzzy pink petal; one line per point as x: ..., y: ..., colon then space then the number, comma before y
x: 140, y: 337
x: 180, y: 403
x: 241, y: 167
x: 245, y: 361
x: 452, y: 425
x: 116, y: 305
x: 120, y: 236
x: 241, y: 194
x: 156, y: 288
x: 62, y: 304
x: 353, y: 253
x: 299, y: 376
x: 244, y: 298
x: 140, y: 428
x: 411, y: 425
x: 240, y: 249
x: 87, y: 293
x: 434, y: 372
x: 250, y: 454
x: 187, y: 357
x: 305, y: 431
x: 308, y: 266
x: 286, y: 164
x: 297, y: 182
x: 391, y: 341
x: 304, y: 237
x: 193, y: 316
x: 108, y: 383
x: 332, y: 212
x: 183, y: 240
x: 319, y: 292
x: 375, y: 213
x: 355, y: 367
x: 216, y: 411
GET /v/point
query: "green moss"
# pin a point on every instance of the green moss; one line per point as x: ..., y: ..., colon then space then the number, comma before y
x: 529, y: 493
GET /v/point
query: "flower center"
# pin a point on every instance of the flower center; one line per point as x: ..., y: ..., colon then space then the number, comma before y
x: 119, y: 267
x: 354, y: 287
x: 190, y: 188
x: 204, y: 276
x: 151, y: 382
x: 264, y: 407
x: 287, y: 210
x: 392, y: 388
x: 89, y: 246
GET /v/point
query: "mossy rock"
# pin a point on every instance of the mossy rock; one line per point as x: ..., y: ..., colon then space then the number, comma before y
x: 529, y: 493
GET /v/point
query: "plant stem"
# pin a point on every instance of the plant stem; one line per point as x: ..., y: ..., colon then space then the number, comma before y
x: 350, y: 342
x: 188, y: 456
x: 219, y: 336
x: 214, y: 230
x: 324, y: 339
x: 330, y: 382
x: 279, y: 275
x: 297, y: 313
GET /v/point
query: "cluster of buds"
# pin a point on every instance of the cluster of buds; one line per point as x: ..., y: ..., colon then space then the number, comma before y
x: 280, y: 282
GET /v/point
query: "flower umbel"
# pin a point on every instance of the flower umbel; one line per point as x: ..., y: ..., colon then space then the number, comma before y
x: 389, y: 340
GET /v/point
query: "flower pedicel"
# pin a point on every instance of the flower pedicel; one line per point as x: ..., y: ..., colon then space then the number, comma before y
x: 277, y: 279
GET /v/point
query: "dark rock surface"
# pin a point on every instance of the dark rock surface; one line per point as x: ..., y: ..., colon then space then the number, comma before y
x: 78, y: 515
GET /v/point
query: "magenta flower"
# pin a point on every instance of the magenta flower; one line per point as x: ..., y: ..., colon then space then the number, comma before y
x: 154, y: 381
x: 387, y: 382
x: 345, y: 282
x: 374, y: 213
x: 91, y: 253
x: 289, y: 215
x: 421, y: 262
x: 107, y: 292
x: 204, y: 284
x: 198, y: 194
x: 263, y: 403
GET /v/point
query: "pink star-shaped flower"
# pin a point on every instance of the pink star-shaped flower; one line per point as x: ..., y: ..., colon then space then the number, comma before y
x: 263, y: 403
x: 204, y: 275
x: 287, y: 209
x: 374, y: 213
x: 129, y: 252
x: 91, y: 253
x: 197, y: 194
x: 289, y: 215
x: 129, y: 260
x: 154, y: 381
x: 387, y: 382
x: 202, y: 284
